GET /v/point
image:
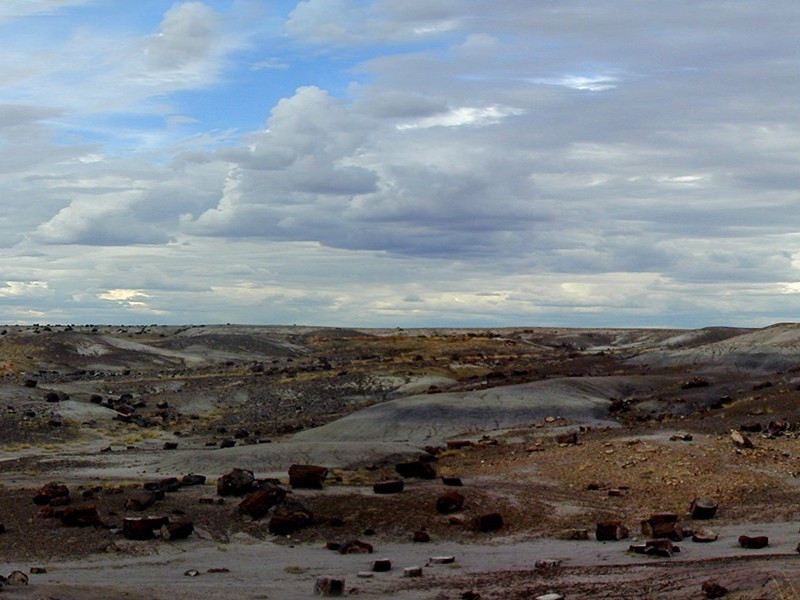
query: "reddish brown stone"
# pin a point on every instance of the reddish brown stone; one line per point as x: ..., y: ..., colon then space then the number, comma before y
x: 288, y: 517
x: 421, y: 537
x: 712, y: 589
x: 355, y: 547
x: 417, y: 468
x: 610, y: 531
x: 458, y: 444
x: 177, y: 530
x: 662, y: 525
x: 140, y: 501
x: 329, y: 586
x: 567, y: 438
x: 142, y: 528
x: 238, y: 482
x: 50, y: 492
x: 753, y: 542
x: 257, y: 504
x: 79, y: 515
x: 394, y: 486
x: 452, y: 481
x: 703, y: 508
x: 307, y: 476
x: 449, y: 502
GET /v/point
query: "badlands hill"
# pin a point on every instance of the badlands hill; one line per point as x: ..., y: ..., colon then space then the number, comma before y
x: 552, y: 429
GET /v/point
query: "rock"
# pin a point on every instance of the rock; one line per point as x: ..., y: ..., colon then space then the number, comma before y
x: 458, y: 444
x: 452, y: 481
x: 355, y: 547
x: 712, y: 589
x: 50, y: 492
x: 177, y: 530
x: 740, y: 440
x: 753, y: 542
x: 488, y: 522
x: 470, y: 595
x: 307, y: 476
x: 420, y: 537
x: 168, y: 484
x: 38, y: 570
x: 704, y: 535
x: 550, y: 596
x: 227, y: 443
x: 449, y: 502
x: 394, y: 486
x: 170, y: 445
x: 417, y: 468
x: 329, y: 586
x: 547, y: 564
x: 662, y: 547
x: 79, y: 515
x: 610, y: 531
x: 192, y: 479
x: 142, y: 528
x: 572, y: 534
x: 30, y: 383
x: 288, y: 517
x: 750, y: 427
x: 569, y: 439
x: 703, y: 508
x: 412, y: 572
x: 381, y: 565
x: 681, y: 437
x: 17, y: 578
x: 191, y: 573
x: 257, y: 504
x: 140, y: 501
x: 365, y: 575
x: 662, y: 525
x: 237, y: 482
x: 441, y: 560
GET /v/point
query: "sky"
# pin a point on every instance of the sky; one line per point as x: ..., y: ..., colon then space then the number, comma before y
x: 400, y: 163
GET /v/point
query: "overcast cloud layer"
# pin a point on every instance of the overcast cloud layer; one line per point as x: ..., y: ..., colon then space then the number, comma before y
x: 387, y: 163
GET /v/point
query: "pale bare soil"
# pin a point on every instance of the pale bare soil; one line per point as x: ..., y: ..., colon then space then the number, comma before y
x: 652, y: 410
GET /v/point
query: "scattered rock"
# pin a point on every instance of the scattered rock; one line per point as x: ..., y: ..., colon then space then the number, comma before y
x: 412, y: 572
x: 329, y: 586
x: 177, y: 530
x: 394, y: 486
x: 662, y: 525
x: 17, y: 578
x: 610, y: 531
x: 441, y: 560
x: 421, y: 537
x: 382, y: 565
x: 355, y: 547
x: 193, y: 479
x: 53, y: 494
x: 753, y: 542
x: 140, y: 501
x: 191, y: 573
x: 257, y: 504
x: 458, y: 444
x: 569, y: 439
x: 38, y: 570
x: 703, y: 508
x: 449, y: 502
x: 237, y: 482
x: 488, y: 522
x: 307, y: 476
x: 547, y: 564
x: 289, y: 516
x: 452, y: 481
x: 740, y: 440
x: 142, y: 528
x: 418, y: 468
x: 705, y: 535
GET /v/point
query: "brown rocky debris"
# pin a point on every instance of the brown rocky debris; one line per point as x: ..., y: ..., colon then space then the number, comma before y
x: 417, y: 468
x: 288, y: 517
x: 569, y: 439
x: 307, y: 476
x: 488, y: 522
x: 53, y: 494
x: 237, y: 482
x: 142, y: 528
x: 753, y: 542
x: 712, y: 589
x: 458, y: 444
x: 412, y: 572
x: 355, y: 547
x: 257, y: 504
x: 143, y: 500
x: 662, y: 525
x: 381, y: 565
x: 704, y: 535
x: 17, y: 578
x: 329, y: 586
x: 449, y: 502
x: 192, y: 479
x: 79, y: 515
x: 703, y: 508
x: 452, y: 481
x: 740, y: 440
x: 177, y: 530
x: 421, y: 537
x: 610, y: 531
x: 394, y: 486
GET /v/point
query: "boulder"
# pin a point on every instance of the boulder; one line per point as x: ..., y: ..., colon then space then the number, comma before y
x: 289, y: 516
x: 382, y: 565
x: 662, y: 525
x: 704, y: 535
x: 355, y: 547
x: 394, y: 486
x: 143, y: 500
x: 17, y: 578
x: 53, y: 494
x: 703, y: 508
x: 177, y: 530
x: 610, y: 531
x: 753, y: 542
x: 329, y: 586
x: 257, y: 504
x: 416, y: 468
x: 740, y: 440
x: 307, y: 476
x: 142, y: 528
x: 449, y: 502
x: 237, y: 482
